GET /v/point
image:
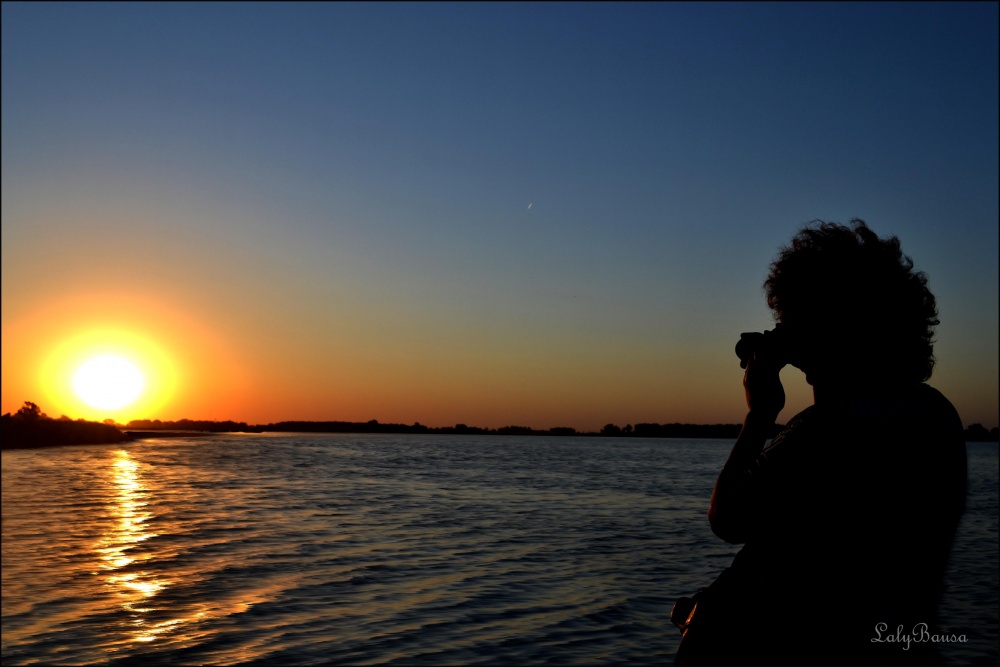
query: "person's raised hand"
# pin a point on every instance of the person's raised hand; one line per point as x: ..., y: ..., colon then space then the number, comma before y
x: 764, y: 392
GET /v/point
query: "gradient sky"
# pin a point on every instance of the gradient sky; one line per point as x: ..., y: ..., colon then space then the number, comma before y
x: 493, y: 214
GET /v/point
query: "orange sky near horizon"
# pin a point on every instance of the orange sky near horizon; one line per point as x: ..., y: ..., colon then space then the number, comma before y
x: 45, y: 347
x: 206, y: 370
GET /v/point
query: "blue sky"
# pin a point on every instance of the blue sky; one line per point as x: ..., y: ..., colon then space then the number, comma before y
x: 341, y: 191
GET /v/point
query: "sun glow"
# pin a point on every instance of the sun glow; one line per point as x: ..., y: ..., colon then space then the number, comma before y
x: 108, y: 382
x: 108, y: 373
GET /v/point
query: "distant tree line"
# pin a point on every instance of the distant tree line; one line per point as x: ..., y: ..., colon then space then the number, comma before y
x: 978, y: 433
x: 374, y: 426
x: 975, y: 432
x: 30, y: 427
x: 191, y: 425
x: 688, y: 430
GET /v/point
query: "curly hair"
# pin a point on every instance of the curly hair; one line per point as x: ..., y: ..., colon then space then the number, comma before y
x: 858, y: 295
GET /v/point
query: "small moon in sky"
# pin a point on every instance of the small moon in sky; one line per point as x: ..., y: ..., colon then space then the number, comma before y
x: 529, y: 206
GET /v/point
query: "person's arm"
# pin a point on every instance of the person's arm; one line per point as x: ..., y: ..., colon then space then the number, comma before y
x: 733, y: 503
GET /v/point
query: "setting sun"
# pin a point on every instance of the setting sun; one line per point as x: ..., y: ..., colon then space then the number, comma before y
x: 106, y: 372
x: 108, y: 382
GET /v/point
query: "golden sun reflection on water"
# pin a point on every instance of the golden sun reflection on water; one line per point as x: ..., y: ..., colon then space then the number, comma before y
x: 130, y: 566
x: 120, y: 548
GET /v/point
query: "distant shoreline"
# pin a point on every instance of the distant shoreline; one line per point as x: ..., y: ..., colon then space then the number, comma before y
x: 38, y: 431
x: 140, y: 435
x: 974, y: 433
x: 642, y: 430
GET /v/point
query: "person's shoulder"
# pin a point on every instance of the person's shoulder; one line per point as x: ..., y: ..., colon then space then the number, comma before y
x: 806, y: 418
x: 932, y: 397
x: 815, y: 420
x: 933, y: 405
x: 804, y: 426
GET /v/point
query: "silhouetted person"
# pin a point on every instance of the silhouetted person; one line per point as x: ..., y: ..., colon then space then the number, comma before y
x: 848, y: 515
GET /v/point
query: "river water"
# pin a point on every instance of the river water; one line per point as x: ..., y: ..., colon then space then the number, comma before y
x: 376, y: 549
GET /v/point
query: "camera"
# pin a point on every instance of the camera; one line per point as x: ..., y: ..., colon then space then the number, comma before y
x: 772, y: 344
